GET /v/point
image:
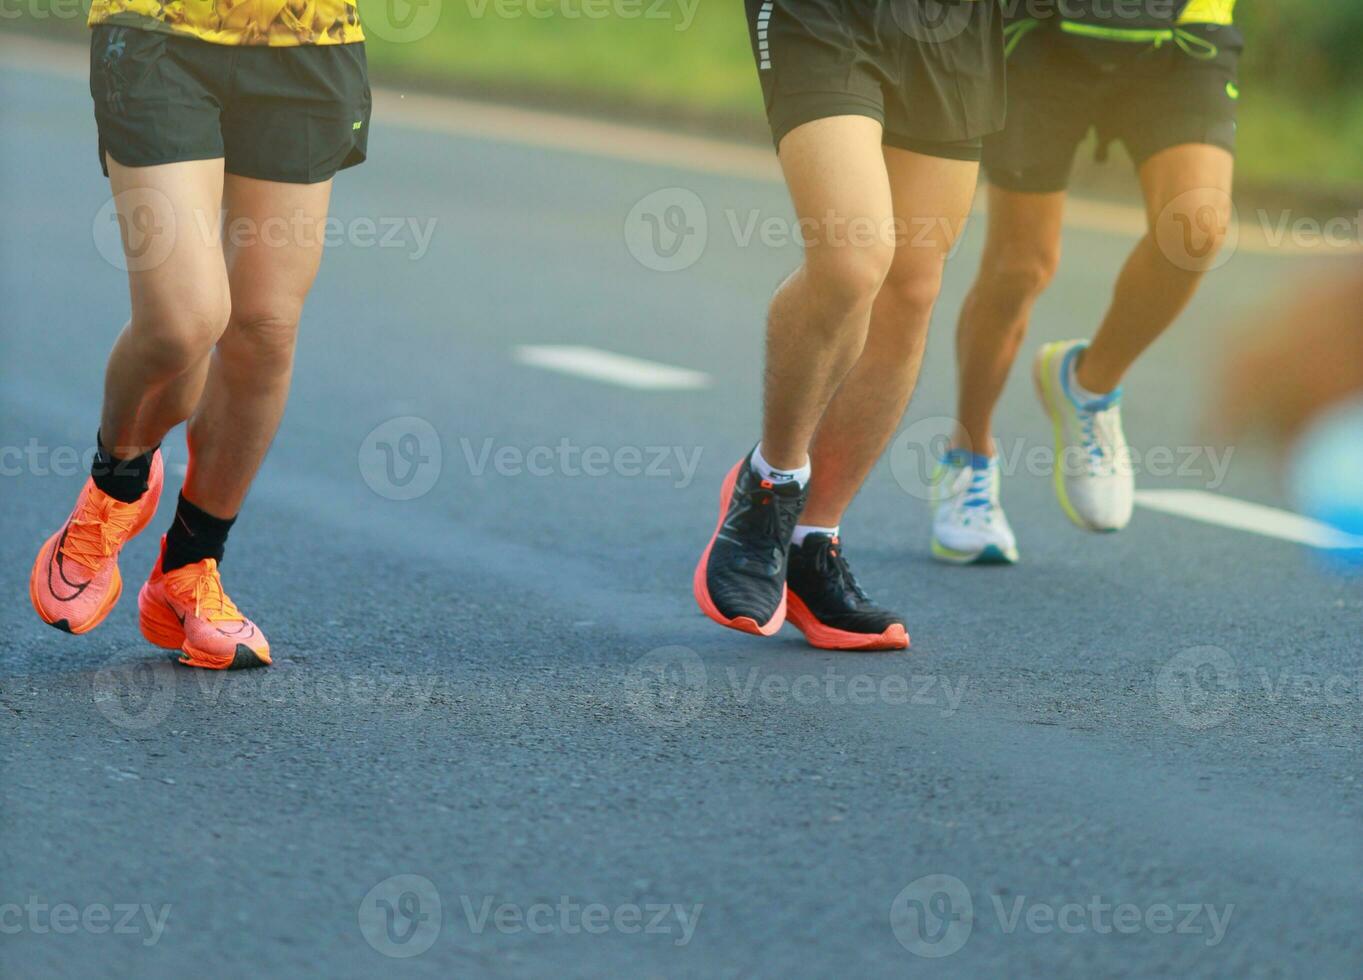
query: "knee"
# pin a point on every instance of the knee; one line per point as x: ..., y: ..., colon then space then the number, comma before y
x: 1192, y: 233
x: 1012, y: 282
x: 180, y: 335
x: 910, y: 294
x: 262, y: 338
x: 848, y: 279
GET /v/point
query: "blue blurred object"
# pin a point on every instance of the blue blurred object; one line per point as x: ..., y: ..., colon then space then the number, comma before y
x: 1326, y: 478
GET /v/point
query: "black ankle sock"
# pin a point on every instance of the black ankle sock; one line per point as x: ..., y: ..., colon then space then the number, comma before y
x: 193, y: 536
x: 122, y: 479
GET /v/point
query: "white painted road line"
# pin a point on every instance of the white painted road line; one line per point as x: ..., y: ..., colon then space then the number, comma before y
x: 1241, y: 515
x: 616, y: 369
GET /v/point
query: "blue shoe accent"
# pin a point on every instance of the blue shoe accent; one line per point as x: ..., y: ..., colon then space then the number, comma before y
x: 992, y: 555
x: 1067, y: 372
x: 961, y: 459
x: 977, y: 495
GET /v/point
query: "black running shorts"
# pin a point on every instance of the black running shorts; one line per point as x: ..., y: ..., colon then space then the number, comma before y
x: 1151, y: 98
x: 931, y: 71
x: 293, y: 114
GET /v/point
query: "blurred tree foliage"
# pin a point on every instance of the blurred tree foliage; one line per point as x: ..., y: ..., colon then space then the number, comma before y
x: 1314, y: 47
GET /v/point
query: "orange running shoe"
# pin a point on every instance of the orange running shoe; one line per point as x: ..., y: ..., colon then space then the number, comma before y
x: 75, y: 580
x: 186, y: 609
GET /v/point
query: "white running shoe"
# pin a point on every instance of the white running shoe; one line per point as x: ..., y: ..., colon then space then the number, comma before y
x: 1093, y: 474
x: 968, y: 525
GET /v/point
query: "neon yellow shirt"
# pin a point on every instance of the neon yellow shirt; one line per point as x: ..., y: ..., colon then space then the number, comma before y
x: 277, y: 23
x: 1208, y: 12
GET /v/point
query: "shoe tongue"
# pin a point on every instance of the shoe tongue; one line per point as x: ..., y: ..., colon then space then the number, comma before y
x: 190, y: 574
x: 101, y: 507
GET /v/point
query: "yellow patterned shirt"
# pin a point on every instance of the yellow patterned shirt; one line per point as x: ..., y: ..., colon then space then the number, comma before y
x: 277, y: 23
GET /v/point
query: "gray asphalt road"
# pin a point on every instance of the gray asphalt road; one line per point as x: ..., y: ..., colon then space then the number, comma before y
x: 499, y: 736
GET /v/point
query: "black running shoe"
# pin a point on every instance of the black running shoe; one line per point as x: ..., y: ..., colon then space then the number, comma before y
x: 740, y: 581
x: 830, y: 608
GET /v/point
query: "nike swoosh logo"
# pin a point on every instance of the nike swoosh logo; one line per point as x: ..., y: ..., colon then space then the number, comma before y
x: 174, y: 612
x: 55, y: 562
x: 244, y: 630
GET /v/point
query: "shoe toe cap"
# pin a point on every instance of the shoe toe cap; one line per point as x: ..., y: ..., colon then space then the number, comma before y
x: 1103, y: 504
x: 740, y: 596
x: 973, y: 539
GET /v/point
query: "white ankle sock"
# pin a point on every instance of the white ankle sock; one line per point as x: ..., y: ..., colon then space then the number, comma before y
x: 773, y: 475
x: 1081, y: 395
x: 804, y: 530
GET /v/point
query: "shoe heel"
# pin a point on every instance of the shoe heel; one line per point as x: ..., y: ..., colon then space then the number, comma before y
x: 158, y: 624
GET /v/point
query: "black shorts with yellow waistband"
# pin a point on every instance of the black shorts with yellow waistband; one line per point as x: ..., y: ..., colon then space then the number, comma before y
x: 930, y: 71
x: 1151, y: 90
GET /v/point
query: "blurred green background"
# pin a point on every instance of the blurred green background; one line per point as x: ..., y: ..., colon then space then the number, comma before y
x: 1302, y: 85
x: 687, y: 62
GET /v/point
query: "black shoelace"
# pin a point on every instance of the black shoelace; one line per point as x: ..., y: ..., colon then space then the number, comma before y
x: 764, y: 520
x: 830, y: 562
